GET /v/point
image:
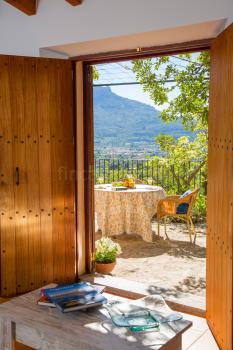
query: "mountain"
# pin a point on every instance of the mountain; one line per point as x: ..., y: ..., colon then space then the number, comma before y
x: 121, y: 122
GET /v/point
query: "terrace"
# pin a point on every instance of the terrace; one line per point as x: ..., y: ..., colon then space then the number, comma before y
x: 175, y: 267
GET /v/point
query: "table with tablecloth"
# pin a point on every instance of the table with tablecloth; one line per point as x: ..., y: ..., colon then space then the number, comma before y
x: 128, y: 211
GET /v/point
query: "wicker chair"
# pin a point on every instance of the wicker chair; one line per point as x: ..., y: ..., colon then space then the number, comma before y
x: 167, y: 207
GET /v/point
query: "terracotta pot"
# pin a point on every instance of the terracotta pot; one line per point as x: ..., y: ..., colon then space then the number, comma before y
x: 105, y: 269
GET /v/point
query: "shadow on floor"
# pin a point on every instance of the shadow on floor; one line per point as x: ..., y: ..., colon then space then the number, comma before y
x: 134, y: 247
x: 190, y: 285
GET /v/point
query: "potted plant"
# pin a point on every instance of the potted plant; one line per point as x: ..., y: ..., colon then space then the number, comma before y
x: 106, y: 254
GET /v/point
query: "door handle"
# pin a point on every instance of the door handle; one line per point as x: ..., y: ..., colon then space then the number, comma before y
x: 17, y: 176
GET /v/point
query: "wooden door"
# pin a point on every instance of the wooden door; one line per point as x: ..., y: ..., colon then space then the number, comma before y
x: 220, y: 191
x: 37, y: 178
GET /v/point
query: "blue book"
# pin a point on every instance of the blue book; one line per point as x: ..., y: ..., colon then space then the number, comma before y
x: 77, y: 302
x: 79, y: 288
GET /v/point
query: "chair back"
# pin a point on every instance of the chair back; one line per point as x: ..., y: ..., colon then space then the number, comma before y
x: 190, y: 199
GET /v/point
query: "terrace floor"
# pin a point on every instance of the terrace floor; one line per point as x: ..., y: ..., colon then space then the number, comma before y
x: 175, y: 268
x: 199, y: 336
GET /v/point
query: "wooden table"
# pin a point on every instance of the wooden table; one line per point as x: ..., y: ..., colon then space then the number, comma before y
x: 128, y: 211
x: 45, y: 328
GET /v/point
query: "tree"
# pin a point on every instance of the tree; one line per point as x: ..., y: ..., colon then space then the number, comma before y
x: 180, y: 84
x: 178, y: 159
x: 95, y: 73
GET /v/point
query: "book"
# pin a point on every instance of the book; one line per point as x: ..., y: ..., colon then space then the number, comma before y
x: 44, y: 301
x: 120, y: 188
x: 79, y: 288
x: 76, y: 303
x: 80, y: 293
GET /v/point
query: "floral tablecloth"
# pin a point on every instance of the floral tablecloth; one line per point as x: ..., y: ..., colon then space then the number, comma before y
x: 128, y: 211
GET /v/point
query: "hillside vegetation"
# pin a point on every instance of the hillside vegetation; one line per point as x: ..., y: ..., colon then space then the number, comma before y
x: 120, y: 122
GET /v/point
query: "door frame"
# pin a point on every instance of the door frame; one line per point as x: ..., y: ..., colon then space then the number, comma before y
x: 145, y: 52
x: 109, y: 57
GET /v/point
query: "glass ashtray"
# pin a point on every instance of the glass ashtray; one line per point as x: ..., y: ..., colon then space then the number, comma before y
x: 136, y: 322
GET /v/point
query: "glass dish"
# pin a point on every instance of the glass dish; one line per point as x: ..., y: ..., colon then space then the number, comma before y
x: 138, y: 318
x: 135, y: 322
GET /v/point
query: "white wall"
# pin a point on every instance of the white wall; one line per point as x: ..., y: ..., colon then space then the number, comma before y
x: 58, y: 23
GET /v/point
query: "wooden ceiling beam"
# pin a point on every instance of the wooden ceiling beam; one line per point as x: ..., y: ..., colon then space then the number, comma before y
x: 27, y: 6
x: 74, y: 2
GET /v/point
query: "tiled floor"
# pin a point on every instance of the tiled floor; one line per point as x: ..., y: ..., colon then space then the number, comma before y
x: 198, y: 337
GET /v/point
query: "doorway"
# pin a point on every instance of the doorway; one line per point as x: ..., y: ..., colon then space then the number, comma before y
x: 124, y: 145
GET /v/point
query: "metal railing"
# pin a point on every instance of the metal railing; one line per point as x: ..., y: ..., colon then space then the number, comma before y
x: 171, y: 178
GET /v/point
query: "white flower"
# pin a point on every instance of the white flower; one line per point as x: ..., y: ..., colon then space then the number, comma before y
x: 105, y: 244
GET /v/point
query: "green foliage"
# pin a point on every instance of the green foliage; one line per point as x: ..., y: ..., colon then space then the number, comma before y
x: 106, y: 250
x: 95, y: 73
x: 179, y: 156
x: 200, y: 206
x: 190, y: 77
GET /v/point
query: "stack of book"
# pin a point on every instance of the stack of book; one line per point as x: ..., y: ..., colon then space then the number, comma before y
x: 72, y: 297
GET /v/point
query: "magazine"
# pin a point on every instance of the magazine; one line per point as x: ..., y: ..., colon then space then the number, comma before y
x: 80, y: 302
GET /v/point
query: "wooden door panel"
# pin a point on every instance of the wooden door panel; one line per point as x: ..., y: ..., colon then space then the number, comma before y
x: 45, y: 186
x: 37, y: 225
x: 58, y: 158
x: 220, y: 191
x: 7, y: 207
x: 16, y: 68
x: 32, y: 170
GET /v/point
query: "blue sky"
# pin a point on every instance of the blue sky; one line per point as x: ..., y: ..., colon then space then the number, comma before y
x: 135, y: 92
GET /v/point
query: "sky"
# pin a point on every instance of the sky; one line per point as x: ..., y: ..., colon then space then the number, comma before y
x: 135, y: 92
